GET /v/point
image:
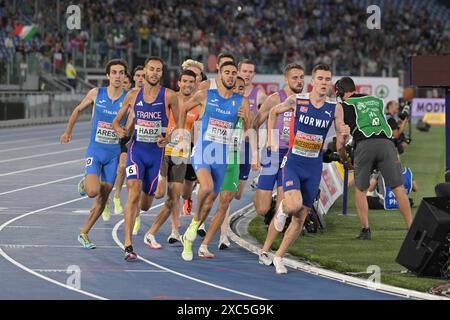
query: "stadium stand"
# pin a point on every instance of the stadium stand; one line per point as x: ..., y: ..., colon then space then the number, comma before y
x: 270, y: 32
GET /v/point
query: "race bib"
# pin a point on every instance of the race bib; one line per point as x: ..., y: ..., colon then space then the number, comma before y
x: 307, y: 145
x: 219, y: 131
x: 105, y: 133
x: 283, y: 163
x: 286, y: 126
x: 89, y: 161
x: 148, y: 131
x: 179, y: 149
x: 131, y: 170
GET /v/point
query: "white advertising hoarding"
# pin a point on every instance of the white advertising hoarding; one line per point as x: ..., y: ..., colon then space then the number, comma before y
x: 384, y: 88
x: 421, y: 106
x: 331, y: 187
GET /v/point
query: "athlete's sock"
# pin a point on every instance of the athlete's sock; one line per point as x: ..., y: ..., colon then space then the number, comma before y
x: 280, y: 218
x: 195, y: 224
x: 191, y: 232
x: 280, y: 208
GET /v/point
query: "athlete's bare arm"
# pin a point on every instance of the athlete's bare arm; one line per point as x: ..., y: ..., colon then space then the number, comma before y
x: 261, y: 97
x: 288, y: 104
x: 245, y: 114
x: 342, y: 132
x: 88, y: 100
x: 127, y: 107
x: 263, y: 112
x: 199, y: 98
x: 171, y: 105
x: 129, y: 125
x: 172, y: 102
x: 204, y: 85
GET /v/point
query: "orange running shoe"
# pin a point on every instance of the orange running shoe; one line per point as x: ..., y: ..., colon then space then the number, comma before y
x: 187, y: 207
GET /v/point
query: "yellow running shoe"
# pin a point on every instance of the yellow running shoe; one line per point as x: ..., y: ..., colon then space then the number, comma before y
x: 106, y: 214
x: 81, y: 188
x: 83, y: 239
x: 187, y: 249
x: 137, y: 225
x: 117, y: 206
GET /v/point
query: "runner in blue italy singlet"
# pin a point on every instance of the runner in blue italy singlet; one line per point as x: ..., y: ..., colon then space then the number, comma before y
x: 103, y: 151
x: 102, y: 154
x: 218, y: 121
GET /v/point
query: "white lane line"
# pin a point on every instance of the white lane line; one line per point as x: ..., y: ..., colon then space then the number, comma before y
x: 65, y: 270
x: 8, y: 213
x: 21, y: 140
x: 21, y: 266
x: 42, y: 155
x: 41, y: 184
x: 23, y: 246
x: 41, y: 167
x: 44, y: 131
x: 29, y: 227
x: 40, y: 145
x: 116, y: 239
x: 41, y: 138
x: 50, y: 270
x: 145, y: 271
x: 52, y: 228
x: 83, y: 211
x: 142, y: 212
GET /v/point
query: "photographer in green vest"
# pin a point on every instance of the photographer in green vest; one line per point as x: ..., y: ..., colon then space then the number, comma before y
x: 372, y: 149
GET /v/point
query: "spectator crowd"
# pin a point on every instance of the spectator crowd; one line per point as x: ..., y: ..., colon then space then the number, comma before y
x: 270, y: 32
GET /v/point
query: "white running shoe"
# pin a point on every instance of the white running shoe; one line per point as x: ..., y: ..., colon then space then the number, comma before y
x: 279, y: 265
x: 203, y: 252
x: 279, y: 221
x: 201, y: 231
x: 265, y: 259
x: 224, y: 243
x: 197, y: 186
x: 151, y: 241
x: 174, y: 237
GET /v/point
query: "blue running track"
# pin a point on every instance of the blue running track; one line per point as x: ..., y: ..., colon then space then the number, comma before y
x: 40, y: 216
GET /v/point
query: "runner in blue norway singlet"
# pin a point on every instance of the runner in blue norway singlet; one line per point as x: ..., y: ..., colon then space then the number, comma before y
x: 144, y: 156
x: 302, y: 165
x: 211, y: 148
x: 103, y: 151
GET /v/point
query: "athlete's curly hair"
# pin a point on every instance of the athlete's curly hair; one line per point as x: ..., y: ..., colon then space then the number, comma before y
x: 192, y: 63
